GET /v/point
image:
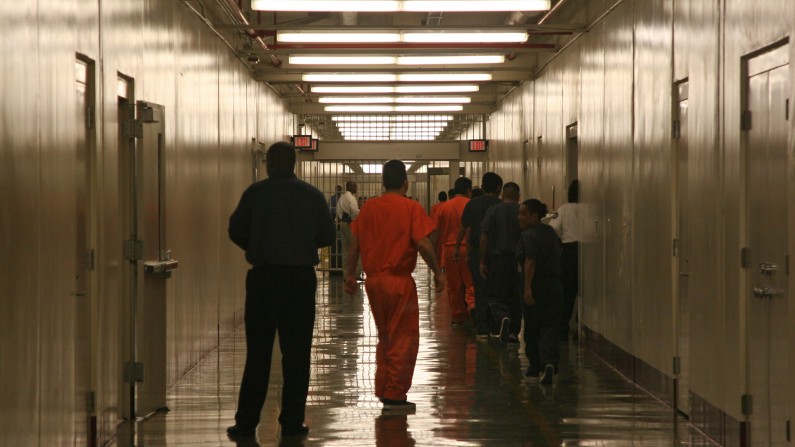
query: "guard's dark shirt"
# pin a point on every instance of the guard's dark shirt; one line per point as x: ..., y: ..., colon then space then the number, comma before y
x: 501, y: 226
x: 281, y: 221
x: 540, y: 243
x: 473, y: 214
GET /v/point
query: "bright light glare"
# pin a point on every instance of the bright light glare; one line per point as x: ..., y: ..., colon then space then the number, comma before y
x: 443, y: 77
x: 349, y: 77
x: 436, y: 88
x: 475, y: 5
x: 383, y: 118
x: 435, y: 108
x: 359, y: 109
x: 359, y: 89
x: 400, y: 5
x: 429, y: 108
x: 342, y: 60
x: 433, y: 100
x: 473, y: 37
x: 326, y: 5
x: 355, y: 100
x: 451, y: 60
x: 331, y: 37
x: 395, y: 89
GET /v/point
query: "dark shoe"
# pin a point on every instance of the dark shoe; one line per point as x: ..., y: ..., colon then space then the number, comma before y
x: 532, y: 372
x: 398, y: 406
x: 295, y: 430
x: 505, y: 330
x: 549, y: 374
x: 513, y: 339
x: 236, y: 431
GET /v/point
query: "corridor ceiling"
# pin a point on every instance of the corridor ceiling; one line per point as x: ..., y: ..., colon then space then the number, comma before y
x: 307, y: 50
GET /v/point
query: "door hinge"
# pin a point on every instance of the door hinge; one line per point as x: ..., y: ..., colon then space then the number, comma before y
x: 89, y: 117
x: 676, y: 129
x: 90, y: 402
x: 133, y: 250
x: 677, y: 366
x: 90, y: 259
x: 676, y: 247
x: 746, y: 120
x: 786, y: 109
x: 789, y: 431
x: 133, y: 129
x: 747, y: 404
x: 786, y: 264
x: 745, y: 254
x: 133, y: 372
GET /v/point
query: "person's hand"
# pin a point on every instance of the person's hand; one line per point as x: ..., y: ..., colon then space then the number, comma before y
x: 439, y: 281
x: 350, y: 285
x: 528, y: 298
x: 484, y: 270
x: 456, y: 255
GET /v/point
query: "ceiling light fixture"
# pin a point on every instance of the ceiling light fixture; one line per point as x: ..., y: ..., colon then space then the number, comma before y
x: 399, y: 60
x: 391, y: 100
x: 400, y: 5
x: 395, y: 88
x: 398, y: 118
x: 433, y: 100
x: 434, y: 108
x: 393, y: 77
x: 474, y: 36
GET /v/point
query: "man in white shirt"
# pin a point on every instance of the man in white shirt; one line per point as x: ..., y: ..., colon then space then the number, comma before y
x: 347, y: 210
x: 566, y: 224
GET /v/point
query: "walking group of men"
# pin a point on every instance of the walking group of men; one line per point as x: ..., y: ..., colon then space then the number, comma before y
x: 479, y: 241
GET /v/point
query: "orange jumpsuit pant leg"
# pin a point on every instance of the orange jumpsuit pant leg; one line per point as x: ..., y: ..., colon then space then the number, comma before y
x: 456, y: 288
x: 393, y: 302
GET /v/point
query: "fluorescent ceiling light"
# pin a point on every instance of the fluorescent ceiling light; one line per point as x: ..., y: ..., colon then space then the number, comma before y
x: 332, y: 37
x: 382, y: 118
x: 349, y: 77
x: 400, y: 5
x: 436, y: 88
x: 404, y: 36
x: 348, y: 59
x: 451, y: 60
x: 443, y: 77
x: 475, y: 5
x: 392, y: 77
x: 434, y: 108
x: 343, y: 60
x: 359, y: 109
x: 390, y: 100
x: 433, y: 100
x: 356, y: 100
x: 395, y: 88
x: 472, y: 37
x: 388, y: 126
x: 327, y: 5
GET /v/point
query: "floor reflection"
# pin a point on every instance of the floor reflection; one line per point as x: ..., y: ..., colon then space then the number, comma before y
x: 468, y: 392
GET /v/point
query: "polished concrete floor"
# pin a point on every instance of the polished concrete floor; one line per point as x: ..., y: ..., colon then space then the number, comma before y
x: 468, y: 392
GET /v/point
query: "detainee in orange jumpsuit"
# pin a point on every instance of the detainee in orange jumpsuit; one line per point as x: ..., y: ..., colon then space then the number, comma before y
x: 460, y: 292
x: 388, y: 233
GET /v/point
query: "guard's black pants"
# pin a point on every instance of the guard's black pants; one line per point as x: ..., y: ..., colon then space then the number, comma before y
x: 278, y: 298
x: 569, y: 266
x: 504, y: 286
x: 542, y: 329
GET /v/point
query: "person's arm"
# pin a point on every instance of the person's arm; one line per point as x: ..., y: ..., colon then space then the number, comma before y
x: 353, y: 210
x: 350, y: 269
x: 462, y: 233
x: 529, y: 271
x: 484, y: 247
x: 429, y: 256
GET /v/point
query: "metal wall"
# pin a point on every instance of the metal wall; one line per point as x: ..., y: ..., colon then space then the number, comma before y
x: 617, y: 82
x: 213, y: 110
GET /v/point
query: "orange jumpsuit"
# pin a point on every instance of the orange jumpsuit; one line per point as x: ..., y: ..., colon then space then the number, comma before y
x: 460, y: 292
x: 388, y: 229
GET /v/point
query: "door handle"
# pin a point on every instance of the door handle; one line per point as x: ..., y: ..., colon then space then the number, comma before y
x: 766, y: 292
x: 80, y: 293
x: 684, y: 274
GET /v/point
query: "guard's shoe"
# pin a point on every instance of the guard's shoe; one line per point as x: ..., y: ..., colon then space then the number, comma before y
x: 549, y: 374
x: 237, y: 431
x: 295, y: 430
x: 505, y: 330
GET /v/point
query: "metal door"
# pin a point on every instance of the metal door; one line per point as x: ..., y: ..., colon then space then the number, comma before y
x: 766, y: 256
x: 150, y: 260
x: 84, y: 259
x: 681, y: 249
